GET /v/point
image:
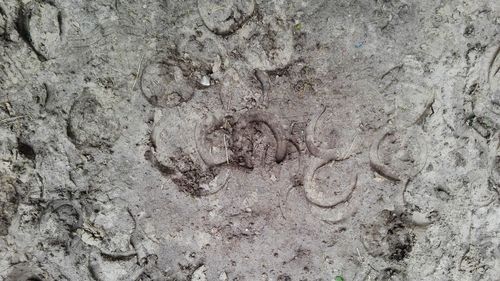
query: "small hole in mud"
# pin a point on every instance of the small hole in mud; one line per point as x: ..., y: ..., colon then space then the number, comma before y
x: 26, y: 150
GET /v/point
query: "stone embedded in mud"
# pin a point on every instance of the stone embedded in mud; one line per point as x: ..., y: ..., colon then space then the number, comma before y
x: 205, y: 81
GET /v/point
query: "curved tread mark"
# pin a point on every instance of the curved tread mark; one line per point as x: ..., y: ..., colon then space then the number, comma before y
x: 375, y: 162
x: 310, y: 140
x: 271, y: 121
x: 320, y: 200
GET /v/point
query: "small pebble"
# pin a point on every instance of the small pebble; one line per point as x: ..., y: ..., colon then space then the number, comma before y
x: 205, y: 81
x: 223, y: 276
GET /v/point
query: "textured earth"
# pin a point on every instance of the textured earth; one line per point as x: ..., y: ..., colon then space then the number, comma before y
x: 249, y: 140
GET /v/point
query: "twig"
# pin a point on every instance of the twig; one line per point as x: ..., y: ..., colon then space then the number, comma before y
x: 225, y: 148
x: 222, y: 101
x: 136, y: 241
x: 138, y: 71
x: 350, y: 147
x: 118, y: 255
x: 10, y: 119
x: 264, y: 83
x: 467, y: 241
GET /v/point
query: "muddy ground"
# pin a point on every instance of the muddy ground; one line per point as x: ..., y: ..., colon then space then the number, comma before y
x: 249, y: 140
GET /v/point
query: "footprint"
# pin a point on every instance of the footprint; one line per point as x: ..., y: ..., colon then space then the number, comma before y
x: 42, y: 26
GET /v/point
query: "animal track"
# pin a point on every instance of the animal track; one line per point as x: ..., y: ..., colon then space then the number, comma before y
x: 236, y: 146
x: 282, y: 140
x: 375, y: 162
x: 411, y: 159
x: 144, y: 260
x: 97, y: 271
x: 337, y: 214
x: 319, y: 198
x: 205, y: 52
x: 173, y: 162
x: 326, y: 154
x: 322, y: 157
x: 224, y: 17
x: 272, y: 122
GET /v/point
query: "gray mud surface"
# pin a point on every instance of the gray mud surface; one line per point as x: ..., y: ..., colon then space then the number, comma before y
x: 249, y: 140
